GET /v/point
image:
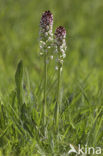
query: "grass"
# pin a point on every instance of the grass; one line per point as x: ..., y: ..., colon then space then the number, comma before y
x: 21, y: 82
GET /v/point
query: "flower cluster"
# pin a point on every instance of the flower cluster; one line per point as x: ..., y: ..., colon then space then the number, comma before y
x: 46, y: 35
x: 60, y: 45
x: 57, y: 42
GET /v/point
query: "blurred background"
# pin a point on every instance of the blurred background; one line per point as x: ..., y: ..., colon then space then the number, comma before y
x: 19, y: 39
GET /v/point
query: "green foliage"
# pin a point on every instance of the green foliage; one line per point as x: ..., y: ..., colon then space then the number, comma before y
x: 21, y: 94
x: 19, y: 82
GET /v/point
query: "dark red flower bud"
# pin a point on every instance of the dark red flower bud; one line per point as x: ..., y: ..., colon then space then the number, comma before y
x: 60, y: 33
x: 46, y: 20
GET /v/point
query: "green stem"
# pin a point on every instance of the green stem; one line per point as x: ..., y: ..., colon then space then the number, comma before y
x: 58, y: 99
x: 45, y: 84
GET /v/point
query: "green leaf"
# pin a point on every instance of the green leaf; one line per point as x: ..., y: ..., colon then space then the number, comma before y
x: 19, y: 82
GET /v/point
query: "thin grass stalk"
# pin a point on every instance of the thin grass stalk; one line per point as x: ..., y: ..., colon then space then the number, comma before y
x: 45, y: 85
x: 58, y: 98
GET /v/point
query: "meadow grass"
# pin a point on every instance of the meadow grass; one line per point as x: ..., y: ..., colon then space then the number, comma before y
x: 22, y: 81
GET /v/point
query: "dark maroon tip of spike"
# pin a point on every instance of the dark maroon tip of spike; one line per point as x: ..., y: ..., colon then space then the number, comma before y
x: 46, y: 19
x: 60, y: 32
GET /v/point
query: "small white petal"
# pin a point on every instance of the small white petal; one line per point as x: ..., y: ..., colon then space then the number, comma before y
x: 49, y: 47
x: 62, y: 51
x: 41, y: 54
x: 46, y: 34
x: 47, y: 27
x: 51, y: 57
x: 56, y: 68
x: 64, y: 55
x: 61, y: 61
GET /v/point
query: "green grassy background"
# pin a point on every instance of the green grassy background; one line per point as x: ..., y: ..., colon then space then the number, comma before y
x: 82, y: 91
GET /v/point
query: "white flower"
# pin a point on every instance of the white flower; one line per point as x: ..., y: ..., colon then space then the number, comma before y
x: 56, y: 68
x: 51, y: 57
x: 60, y: 45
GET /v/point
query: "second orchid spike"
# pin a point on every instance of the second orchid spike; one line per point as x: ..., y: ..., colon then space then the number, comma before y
x: 60, y: 45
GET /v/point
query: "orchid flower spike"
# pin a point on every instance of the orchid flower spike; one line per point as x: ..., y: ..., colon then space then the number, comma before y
x: 60, y: 45
x: 46, y: 35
